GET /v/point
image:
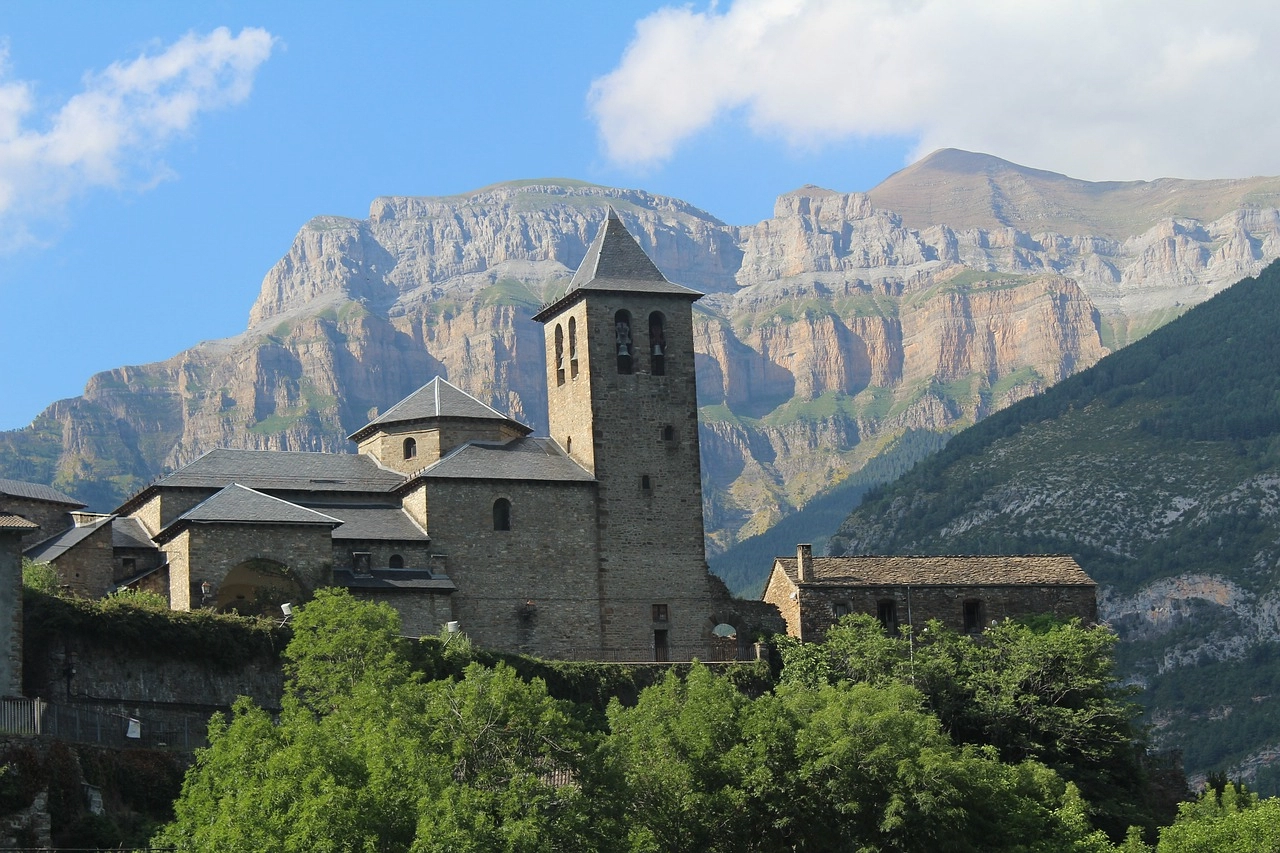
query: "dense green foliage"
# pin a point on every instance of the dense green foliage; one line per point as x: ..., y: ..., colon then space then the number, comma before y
x: 864, y: 744
x: 1157, y: 463
x: 142, y: 623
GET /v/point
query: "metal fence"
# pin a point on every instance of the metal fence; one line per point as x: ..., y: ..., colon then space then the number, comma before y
x: 82, y: 724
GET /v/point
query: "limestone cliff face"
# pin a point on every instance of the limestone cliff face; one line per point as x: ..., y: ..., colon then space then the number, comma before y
x: 829, y: 330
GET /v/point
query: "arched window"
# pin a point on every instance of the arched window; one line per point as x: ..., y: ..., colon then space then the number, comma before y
x: 502, y: 514
x: 573, y: 348
x: 396, y: 561
x: 410, y: 448
x: 622, y: 331
x: 657, y: 345
x: 559, y: 354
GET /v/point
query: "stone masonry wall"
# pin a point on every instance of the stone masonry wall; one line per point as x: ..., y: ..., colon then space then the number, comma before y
x: 89, y: 568
x: 422, y: 613
x: 207, y: 552
x: 52, y: 518
x: 534, y: 588
x: 819, y: 605
x: 11, y: 613
x: 416, y: 555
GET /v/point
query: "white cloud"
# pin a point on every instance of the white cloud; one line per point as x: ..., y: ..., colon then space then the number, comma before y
x: 1096, y: 89
x: 109, y: 134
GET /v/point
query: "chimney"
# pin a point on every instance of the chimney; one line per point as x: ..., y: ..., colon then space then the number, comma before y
x: 804, y: 563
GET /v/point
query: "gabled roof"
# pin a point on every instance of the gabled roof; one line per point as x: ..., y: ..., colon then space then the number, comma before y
x: 16, y: 523
x: 1034, y: 570
x: 437, y: 399
x: 615, y: 262
x: 58, y: 544
x: 237, y: 504
x: 36, y: 492
x: 519, y: 459
x: 285, y: 470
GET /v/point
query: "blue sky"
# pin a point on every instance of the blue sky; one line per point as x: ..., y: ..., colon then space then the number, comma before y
x: 157, y: 235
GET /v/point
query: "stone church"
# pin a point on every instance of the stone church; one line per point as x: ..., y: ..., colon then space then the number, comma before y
x: 584, y: 544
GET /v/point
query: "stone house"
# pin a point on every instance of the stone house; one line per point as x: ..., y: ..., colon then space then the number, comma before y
x: 965, y: 593
x: 585, y: 544
x: 48, y: 509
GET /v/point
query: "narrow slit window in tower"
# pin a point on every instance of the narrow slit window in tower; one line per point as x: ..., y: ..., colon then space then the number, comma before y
x: 573, y: 348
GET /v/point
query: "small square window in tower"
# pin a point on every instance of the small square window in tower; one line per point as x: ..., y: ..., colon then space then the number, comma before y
x: 660, y: 613
x: 973, y: 616
x: 668, y: 433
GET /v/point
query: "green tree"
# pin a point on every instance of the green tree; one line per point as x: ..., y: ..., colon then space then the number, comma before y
x: 1232, y: 820
x: 41, y: 577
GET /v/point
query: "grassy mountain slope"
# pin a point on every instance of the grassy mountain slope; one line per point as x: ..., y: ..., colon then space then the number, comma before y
x: 1159, y: 470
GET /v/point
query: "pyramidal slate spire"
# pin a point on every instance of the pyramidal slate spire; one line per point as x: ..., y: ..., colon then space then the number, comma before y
x: 615, y: 262
x: 614, y: 255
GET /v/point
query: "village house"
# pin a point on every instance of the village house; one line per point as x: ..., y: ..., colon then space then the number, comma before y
x: 964, y: 593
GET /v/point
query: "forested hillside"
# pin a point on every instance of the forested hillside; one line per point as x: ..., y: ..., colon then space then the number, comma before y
x: 1159, y: 470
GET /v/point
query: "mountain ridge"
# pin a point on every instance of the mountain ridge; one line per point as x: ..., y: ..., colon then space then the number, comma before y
x: 829, y: 332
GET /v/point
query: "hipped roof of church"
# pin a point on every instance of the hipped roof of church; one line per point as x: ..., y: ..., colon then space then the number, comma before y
x: 615, y: 263
x: 437, y: 399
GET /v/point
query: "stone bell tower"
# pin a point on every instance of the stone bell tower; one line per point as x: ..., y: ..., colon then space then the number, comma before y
x: 622, y: 401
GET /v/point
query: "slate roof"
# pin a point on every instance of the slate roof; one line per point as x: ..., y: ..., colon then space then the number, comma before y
x: 237, y: 504
x: 437, y: 399
x: 36, y: 492
x: 374, y: 522
x: 519, y: 459
x: 1037, y: 570
x: 390, y: 580
x: 615, y: 262
x: 285, y: 470
x: 127, y: 532
x: 58, y: 544
x: 16, y: 522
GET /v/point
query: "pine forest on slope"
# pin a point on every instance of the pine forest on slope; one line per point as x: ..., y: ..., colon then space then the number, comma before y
x: 1158, y: 469
x: 840, y: 340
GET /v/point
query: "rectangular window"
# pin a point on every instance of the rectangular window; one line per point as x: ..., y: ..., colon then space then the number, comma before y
x: 973, y: 616
x: 840, y: 609
x: 887, y: 613
x: 129, y: 564
x: 660, y: 613
x: 360, y: 562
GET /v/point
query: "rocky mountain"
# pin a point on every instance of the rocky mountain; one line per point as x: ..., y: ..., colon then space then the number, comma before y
x: 1159, y: 470
x: 832, y: 332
